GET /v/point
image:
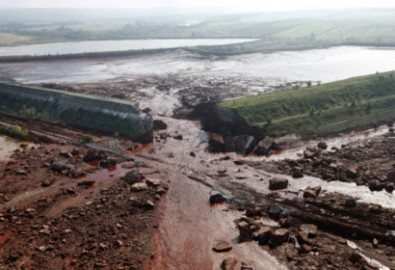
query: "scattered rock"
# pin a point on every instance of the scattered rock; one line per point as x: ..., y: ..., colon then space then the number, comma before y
x: 138, y: 187
x: 217, y: 198
x: 297, y: 172
x: 229, y: 263
x: 158, y: 125
x: 277, y: 183
x: 245, y: 233
x: 245, y: 266
x: 262, y: 235
x: 278, y: 237
x: 222, y: 246
x: 309, y: 228
x: 152, y: 182
x: 108, y: 163
x: 128, y: 165
x: 86, y: 183
x: 47, y: 182
x: 94, y: 155
x: 133, y: 177
x: 322, y: 145
x: 311, y: 192
x: 352, y: 171
x: 376, y: 185
x: 375, y: 242
x: 350, y: 203
x: 309, y: 154
x: 178, y: 137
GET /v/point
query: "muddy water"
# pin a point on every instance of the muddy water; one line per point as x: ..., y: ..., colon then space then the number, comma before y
x: 7, y: 146
x: 338, y: 141
x: 267, y: 68
x: 188, y: 226
x: 259, y: 180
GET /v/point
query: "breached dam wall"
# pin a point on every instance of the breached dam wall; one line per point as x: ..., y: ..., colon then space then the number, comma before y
x: 82, y: 111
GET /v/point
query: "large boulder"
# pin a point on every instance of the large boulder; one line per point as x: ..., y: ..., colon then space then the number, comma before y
x: 264, y: 146
x: 278, y: 183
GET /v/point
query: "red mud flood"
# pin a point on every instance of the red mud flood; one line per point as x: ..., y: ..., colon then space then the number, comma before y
x: 102, y: 178
x: 182, y: 239
x: 137, y: 149
x: 112, y: 169
x: 94, y: 163
x: 70, y: 263
x: 277, y: 152
x: 189, y: 226
x: 214, y: 205
x: 4, y: 237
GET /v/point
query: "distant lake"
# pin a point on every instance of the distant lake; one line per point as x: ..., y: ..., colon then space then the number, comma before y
x: 110, y: 46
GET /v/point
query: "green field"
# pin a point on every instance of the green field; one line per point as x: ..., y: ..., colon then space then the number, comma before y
x: 324, y: 109
x: 277, y: 30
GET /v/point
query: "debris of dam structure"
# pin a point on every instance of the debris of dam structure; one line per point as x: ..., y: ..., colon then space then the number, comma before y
x: 85, y: 112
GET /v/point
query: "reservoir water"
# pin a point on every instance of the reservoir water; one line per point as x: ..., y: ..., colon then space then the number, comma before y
x: 324, y: 65
x: 110, y: 45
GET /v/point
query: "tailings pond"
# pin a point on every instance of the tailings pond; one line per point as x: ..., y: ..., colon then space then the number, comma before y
x: 110, y: 46
x: 256, y: 70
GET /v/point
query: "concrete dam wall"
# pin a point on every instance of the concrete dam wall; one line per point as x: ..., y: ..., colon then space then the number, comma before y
x: 81, y: 111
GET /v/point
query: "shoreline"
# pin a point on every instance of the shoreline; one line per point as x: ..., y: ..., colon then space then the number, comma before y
x: 201, y: 50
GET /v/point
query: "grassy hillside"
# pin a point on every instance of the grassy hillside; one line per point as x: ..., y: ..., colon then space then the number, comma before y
x: 323, y: 109
x: 289, y: 30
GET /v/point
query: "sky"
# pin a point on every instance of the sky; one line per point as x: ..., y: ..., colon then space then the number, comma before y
x: 226, y: 5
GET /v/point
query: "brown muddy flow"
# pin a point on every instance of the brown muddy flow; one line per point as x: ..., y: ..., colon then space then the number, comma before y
x: 188, y: 225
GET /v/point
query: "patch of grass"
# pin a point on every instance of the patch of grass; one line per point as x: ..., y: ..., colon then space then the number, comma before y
x: 324, y: 109
x: 14, y: 131
x: 7, y: 39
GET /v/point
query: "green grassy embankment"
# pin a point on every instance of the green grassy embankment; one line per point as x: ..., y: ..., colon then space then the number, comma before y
x: 324, y: 109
